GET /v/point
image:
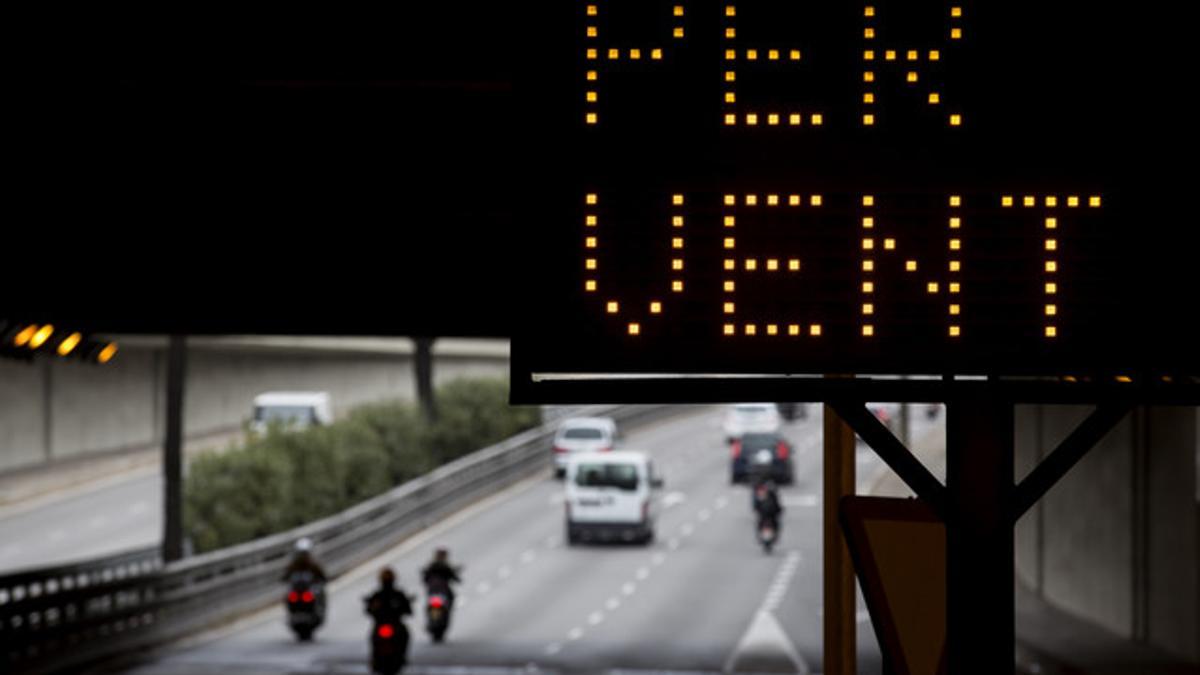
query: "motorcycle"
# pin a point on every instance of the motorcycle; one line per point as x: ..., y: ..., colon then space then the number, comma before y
x: 768, y: 532
x: 389, y: 647
x: 305, y: 603
x: 437, y: 615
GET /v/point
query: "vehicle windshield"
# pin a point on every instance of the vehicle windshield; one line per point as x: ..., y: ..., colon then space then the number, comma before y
x: 752, y: 409
x: 583, y: 434
x: 752, y: 442
x: 285, y: 414
x: 622, y: 476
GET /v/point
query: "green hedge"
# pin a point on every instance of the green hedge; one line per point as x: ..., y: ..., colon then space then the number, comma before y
x: 281, y: 480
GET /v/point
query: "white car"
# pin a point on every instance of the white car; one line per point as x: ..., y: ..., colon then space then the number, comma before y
x: 609, y: 497
x: 746, y: 418
x: 582, y: 434
x: 292, y: 410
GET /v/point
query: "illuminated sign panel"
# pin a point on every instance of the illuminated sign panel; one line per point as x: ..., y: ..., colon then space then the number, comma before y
x: 772, y: 186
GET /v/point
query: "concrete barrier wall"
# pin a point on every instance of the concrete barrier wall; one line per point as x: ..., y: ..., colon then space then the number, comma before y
x: 1117, y: 541
x: 57, y: 410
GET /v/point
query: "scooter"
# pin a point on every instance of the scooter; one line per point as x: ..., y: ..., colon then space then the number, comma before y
x: 389, y: 647
x: 768, y: 532
x: 437, y: 615
x: 305, y: 603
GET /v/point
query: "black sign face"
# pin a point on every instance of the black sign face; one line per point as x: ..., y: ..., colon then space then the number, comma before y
x: 784, y: 187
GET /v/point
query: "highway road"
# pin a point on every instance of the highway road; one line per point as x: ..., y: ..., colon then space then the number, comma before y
x: 704, y: 597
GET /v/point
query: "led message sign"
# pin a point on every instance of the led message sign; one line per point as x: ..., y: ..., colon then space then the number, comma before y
x: 776, y: 186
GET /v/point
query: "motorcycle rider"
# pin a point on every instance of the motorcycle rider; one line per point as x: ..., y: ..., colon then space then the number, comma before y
x: 303, y: 561
x: 390, y: 605
x: 767, y: 504
x: 439, y: 574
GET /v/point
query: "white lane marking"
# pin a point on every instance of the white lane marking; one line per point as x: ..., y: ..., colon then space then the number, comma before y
x: 575, y: 633
x: 642, y: 573
x: 461, y: 601
x: 483, y: 588
x: 551, y: 541
x: 658, y: 559
x: 613, y: 603
x: 528, y: 556
x: 673, y: 499
x: 11, y: 549
x: 804, y: 501
x: 553, y: 649
x: 138, y: 508
x: 765, y: 641
x: 673, y: 544
x: 687, y: 529
x: 557, y: 499
x: 722, y: 502
x: 629, y: 588
x: 596, y: 618
x: 98, y: 521
x: 779, y: 584
x: 504, y: 572
x: 704, y: 515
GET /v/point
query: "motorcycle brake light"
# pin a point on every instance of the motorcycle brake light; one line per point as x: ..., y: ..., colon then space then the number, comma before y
x: 386, y: 631
x: 293, y: 596
x: 737, y: 449
x: 436, y: 601
x: 308, y: 596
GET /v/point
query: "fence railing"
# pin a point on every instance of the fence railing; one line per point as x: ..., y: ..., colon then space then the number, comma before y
x: 60, y: 617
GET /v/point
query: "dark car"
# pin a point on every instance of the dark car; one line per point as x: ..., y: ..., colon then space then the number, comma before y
x: 768, y: 455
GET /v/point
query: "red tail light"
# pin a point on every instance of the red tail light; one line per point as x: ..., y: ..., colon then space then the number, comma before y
x: 436, y: 601
x: 386, y: 631
x: 781, y: 450
x: 736, y: 449
x: 608, y: 449
x: 308, y: 596
x: 293, y: 597
x: 645, y: 511
x: 558, y: 450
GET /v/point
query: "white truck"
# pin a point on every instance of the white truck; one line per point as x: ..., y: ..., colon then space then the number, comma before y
x: 292, y: 410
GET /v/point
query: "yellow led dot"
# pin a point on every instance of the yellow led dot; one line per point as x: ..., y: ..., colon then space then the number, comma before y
x: 868, y: 308
x: 1093, y: 201
x: 817, y: 119
x: 934, y: 98
x: 591, y: 54
x: 793, y: 200
x: 910, y: 265
x: 677, y: 286
x: 730, y: 200
x: 1051, y: 201
x: 912, y: 55
x: 730, y: 76
x: 590, y: 263
x: 955, y: 265
x: 868, y: 76
x: 752, y: 54
x: 955, y: 33
x: 1051, y: 244
x: 955, y: 120
x: 954, y: 310
x: 589, y: 285
x: 729, y: 242
x: 868, y: 287
x: 869, y: 33
x: 590, y: 242
x: 751, y: 119
x: 956, y: 12
x: 634, y: 329
x: 868, y: 265
x: 1051, y: 266
x: 591, y: 31
x: 954, y: 287
x: 730, y: 221
x: 728, y: 308
x: 955, y: 223
x: 1051, y: 331
x: 868, y: 223
x: 591, y: 10
x: 794, y: 55
x: 868, y: 330
x: 1051, y: 288
x: 1051, y: 310
x: 678, y: 11
x: 793, y: 329
x: 678, y: 32
x: 889, y: 244
x: 816, y: 199
x: 591, y: 118
x: 590, y: 221
x: 868, y: 98
x: 773, y: 54
x: 794, y: 119
x: 815, y: 330
x: 955, y: 244
x: 731, y: 55
x: 772, y: 329
x: 1051, y: 223
x: 730, y: 10
x: 869, y: 55
x: 677, y: 242
x: 1029, y: 200
x: 911, y: 76
x: 868, y: 120
x: 591, y: 75
x: 730, y: 33
x: 954, y: 331
x: 635, y: 54
x: 772, y: 200
x: 751, y: 200
x: 729, y: 329
x: 773, y: 119
x: 612, y: 306
x: 730, y: 119
x: 591, y: 97
x: 614, y: 54
x: 869, y: 11
x: 751, y: 264
x: 730, y: 97
x: 932, y: 287
x: 729, y: 286
x: 793, y: 265
x: 868, y: 244
x: 751, y: 329
x: 772, y: 265
x: 677, y: 221
x: 656, y: 54
x: 677, y: 264
x: 676, y: 199
x: 1006, y: 201
x: 730, y: 264
x: 955, y: 200
x: 590, y: 198
x: 890, y: 55
x: 1072, y: 201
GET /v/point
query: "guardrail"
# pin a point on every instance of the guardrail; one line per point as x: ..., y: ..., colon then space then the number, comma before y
x: 57, y: 618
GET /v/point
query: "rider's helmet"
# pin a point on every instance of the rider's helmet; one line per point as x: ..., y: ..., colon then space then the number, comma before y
x: 387, y: 577
x: 441, y: 554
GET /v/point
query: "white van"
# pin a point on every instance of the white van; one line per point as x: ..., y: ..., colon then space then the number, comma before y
x: 609, y: 496
x: 291, y: 409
